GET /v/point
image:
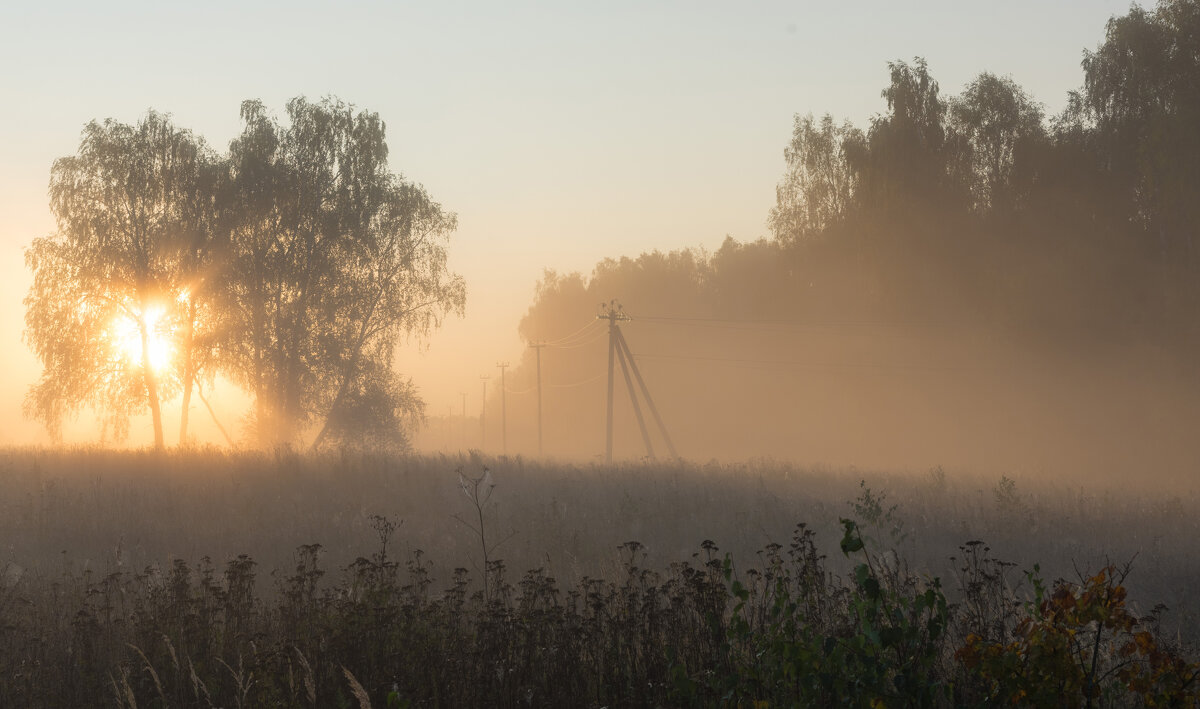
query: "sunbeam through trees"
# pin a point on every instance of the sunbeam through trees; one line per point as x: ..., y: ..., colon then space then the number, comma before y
x: 293, y: 266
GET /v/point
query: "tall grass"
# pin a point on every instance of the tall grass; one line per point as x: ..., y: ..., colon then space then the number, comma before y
x: 205, y: 578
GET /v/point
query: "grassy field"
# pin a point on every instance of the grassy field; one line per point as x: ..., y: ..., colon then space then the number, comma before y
x: 104, y: 552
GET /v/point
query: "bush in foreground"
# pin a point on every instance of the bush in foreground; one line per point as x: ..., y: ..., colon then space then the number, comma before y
x: 705, y: 632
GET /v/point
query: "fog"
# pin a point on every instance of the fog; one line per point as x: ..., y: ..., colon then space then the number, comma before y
x: 965, y: 279
x: 521, y: 355
x: 837, y: 391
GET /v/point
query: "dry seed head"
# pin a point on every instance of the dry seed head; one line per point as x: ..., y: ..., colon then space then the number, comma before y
x: 150, y: 669
x: 364, y: 700
x: 309, y: 684
x: 171, y: 649
x: 198, y: 684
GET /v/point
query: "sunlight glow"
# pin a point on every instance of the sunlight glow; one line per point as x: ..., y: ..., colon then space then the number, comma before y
x: 128, y: 337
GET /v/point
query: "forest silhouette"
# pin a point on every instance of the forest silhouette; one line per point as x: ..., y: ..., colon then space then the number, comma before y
x: 961, y: 279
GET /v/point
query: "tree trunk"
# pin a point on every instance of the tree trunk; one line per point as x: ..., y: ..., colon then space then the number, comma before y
x: 291, y: 404
x: 213, y: 414
x: 261, y: 417
x: 348, y: 370
x: 337, y: 401
x: 289, y: 422
x: 264, y: 419
x: 316, y: 444
x: 151, y: 386
x: 187, y: 401
x: 189, y: 372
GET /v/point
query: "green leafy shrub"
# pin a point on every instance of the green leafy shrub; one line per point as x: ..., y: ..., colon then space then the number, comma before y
x: 1081, y: 646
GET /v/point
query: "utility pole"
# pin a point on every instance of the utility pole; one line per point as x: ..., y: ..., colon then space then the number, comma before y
x: 503, y: 410
x: 612, y: 312
x: 483, y: 415
x: 623, y: 345
x: 618, y: 350
x: 538, y: 348
x: 463, y: 394
x: 637, y: 410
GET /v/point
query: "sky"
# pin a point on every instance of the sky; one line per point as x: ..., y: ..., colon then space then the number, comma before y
x: 560, y: 133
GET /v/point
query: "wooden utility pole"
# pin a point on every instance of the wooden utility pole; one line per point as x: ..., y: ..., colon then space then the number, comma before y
x: 618, y: 350
x: 463, y: 394
x: 503, y: 409
x: 483, y: 415
x: 612, y: 312
x: 637, y: 410
x: 646, y: 395
x: 538, y: 349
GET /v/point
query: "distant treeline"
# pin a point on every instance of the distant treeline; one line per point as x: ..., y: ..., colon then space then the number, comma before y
x: 290, y: 265
x: 974, y: 212
x: 977, y: 205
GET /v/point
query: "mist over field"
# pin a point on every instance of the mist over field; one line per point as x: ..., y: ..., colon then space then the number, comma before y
x: 837, y: 386
x: 966, y: 281
x: 594, y: 358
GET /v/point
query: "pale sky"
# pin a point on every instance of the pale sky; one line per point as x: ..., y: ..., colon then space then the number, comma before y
x: 561, y: 133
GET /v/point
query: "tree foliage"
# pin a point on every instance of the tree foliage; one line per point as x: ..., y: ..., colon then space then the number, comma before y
x: 337, y: 259
x: 996, y: 120
x: 130, y: 207
x: 819, y: 184
x: 293, y: 266
x: 1091, y: 216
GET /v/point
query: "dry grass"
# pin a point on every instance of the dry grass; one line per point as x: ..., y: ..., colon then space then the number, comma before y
x: 106, y: 549
x: 101, y: 510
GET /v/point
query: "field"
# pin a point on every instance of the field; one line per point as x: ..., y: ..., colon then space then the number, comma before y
x: 196, y: 579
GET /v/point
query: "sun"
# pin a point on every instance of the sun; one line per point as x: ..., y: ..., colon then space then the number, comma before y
x: 127, y: 336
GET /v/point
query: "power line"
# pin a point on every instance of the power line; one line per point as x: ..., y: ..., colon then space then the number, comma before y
x: 732, y: 325
x: 585, y: 336
x: 589, y: 380
x: 568, y: 385
x: 573, y: 335
x: 588, y: 343
x: 785, y: 325
x: 587, y: 326
x: 794, y: 363
x: 719, y: 320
